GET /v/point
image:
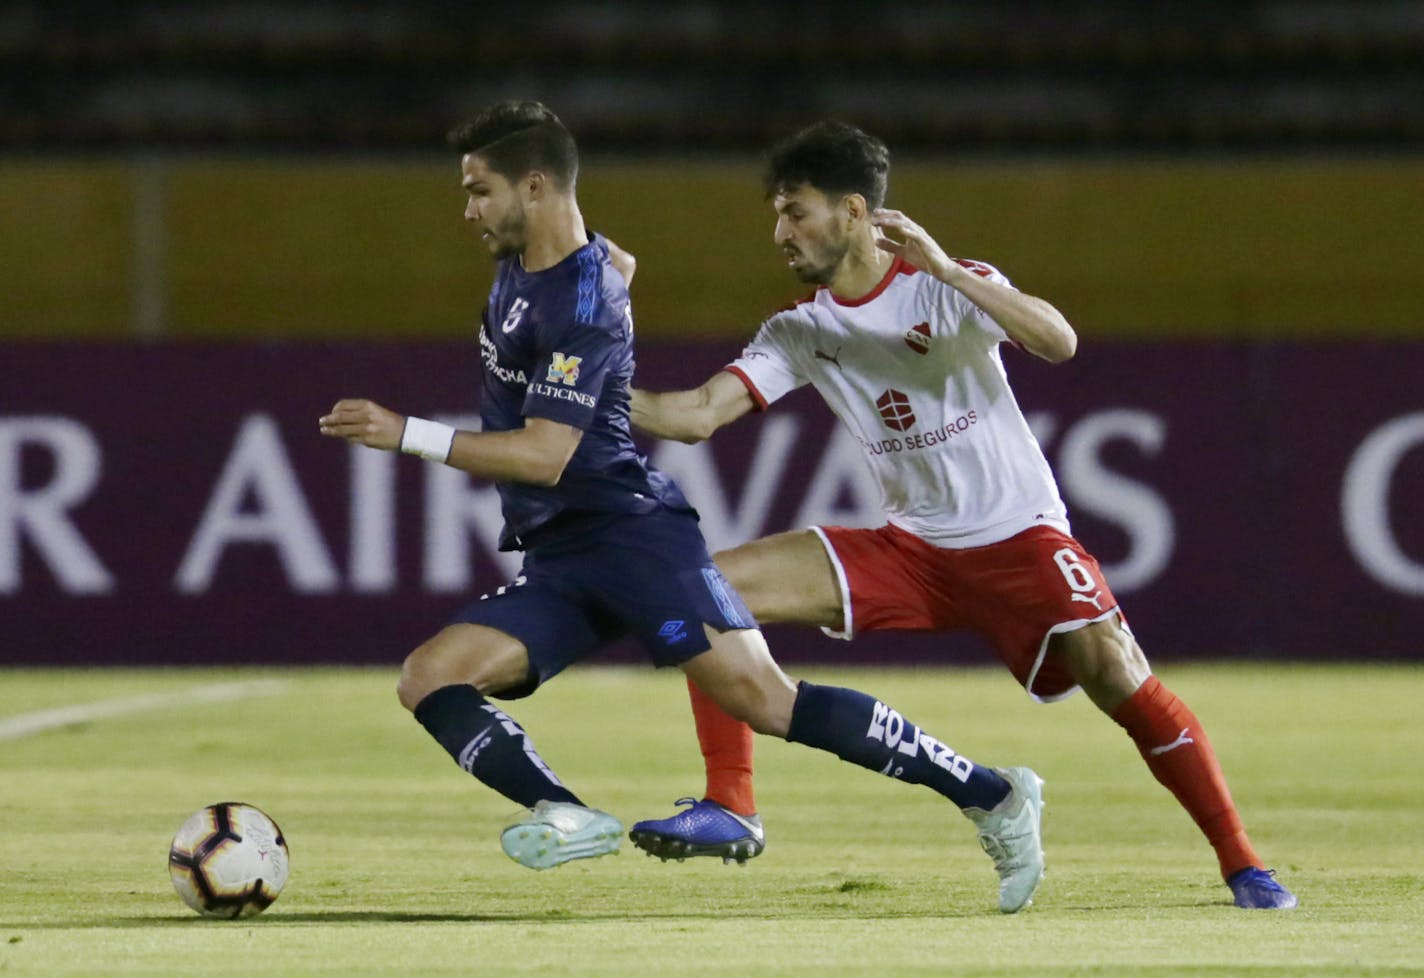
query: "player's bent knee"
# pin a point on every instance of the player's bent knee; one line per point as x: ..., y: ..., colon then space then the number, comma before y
x: 1105, y: 660
x: 489, y: 661
x: 415, y: 682
x: 424, y: 670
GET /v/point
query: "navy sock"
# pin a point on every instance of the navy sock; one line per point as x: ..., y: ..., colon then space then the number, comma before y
x: 860, y: 729
x: 488, y: 744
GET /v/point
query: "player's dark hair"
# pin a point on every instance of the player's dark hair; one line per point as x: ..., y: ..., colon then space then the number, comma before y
x: 834, y: 157
x: 515, y: 137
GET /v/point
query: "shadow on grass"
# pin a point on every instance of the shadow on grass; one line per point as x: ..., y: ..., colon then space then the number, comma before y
x: 821, y: 912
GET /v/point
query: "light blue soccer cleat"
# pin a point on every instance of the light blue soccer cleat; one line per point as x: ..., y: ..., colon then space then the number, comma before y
x: 556, y: 832
x: 1011, y: 833
x: 1257, y: 889
x: 705, y: 829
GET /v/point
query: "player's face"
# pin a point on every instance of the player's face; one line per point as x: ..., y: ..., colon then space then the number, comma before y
x: 493, y: 208
x: 811, y: 232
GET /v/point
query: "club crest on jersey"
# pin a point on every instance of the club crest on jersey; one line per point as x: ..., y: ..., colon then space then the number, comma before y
x: 917, y: 338
x: 895, y: 410
x: 564, y: 370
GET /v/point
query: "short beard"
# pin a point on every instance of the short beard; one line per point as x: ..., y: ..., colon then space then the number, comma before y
x: 509, y: 236
x: 822, y: 274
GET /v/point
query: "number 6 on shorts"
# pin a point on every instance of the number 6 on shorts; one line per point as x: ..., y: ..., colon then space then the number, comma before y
x: 1079, y: 578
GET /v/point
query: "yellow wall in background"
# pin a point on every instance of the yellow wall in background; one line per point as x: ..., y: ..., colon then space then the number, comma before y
x: 64, y: 249
x: 279, y: 248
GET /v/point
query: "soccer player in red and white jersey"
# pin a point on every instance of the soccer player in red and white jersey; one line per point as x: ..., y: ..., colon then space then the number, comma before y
x: 903, y: 343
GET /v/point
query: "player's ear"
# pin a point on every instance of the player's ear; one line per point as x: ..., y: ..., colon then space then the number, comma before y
x: 534, y: 184
x: 856, y: 209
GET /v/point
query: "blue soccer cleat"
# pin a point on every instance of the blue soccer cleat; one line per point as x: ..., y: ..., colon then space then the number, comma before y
x: 705, y: 829
x: 1257, y: 889
x: 556, y: 832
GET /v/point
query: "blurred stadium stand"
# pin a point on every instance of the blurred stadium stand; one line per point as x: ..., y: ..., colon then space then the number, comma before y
x: 726, y: 76
x: 274, y: 169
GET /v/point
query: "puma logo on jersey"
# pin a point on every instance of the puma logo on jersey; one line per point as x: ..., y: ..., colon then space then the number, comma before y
x: 829, y: 357
x: 1181, y: 741
x: 1090, y: 599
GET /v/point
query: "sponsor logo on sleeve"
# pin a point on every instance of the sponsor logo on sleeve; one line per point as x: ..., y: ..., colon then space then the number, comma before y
x: 564, y: 370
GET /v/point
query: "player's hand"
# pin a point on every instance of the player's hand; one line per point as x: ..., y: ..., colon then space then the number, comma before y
x: 363, y: 422
x: 911, y: 242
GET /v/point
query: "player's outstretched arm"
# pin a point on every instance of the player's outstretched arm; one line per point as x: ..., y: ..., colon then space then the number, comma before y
x: 1030, y: 321
x: 690, y: 416
x: 535, y: 454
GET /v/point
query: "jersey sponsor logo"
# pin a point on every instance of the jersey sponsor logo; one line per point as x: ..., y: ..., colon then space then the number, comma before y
x: 917, y: 338
x: 515, y: 314
x: 829, y: 357
x: 895, y: 410
x: 921, y: 440
x: 564, y: 394
x: 564, y: 370
x: 490, y: 356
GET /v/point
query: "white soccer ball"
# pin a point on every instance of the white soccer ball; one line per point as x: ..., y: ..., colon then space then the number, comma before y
x: 228, y: 860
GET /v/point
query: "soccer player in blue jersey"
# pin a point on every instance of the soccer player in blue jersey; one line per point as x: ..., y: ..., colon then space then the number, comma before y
x: 611, y: 545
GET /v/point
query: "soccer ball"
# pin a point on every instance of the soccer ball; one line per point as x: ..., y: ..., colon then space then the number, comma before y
x: 228, y: 860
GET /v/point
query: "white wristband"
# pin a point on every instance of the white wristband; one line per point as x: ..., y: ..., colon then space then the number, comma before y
x: 428, y: 439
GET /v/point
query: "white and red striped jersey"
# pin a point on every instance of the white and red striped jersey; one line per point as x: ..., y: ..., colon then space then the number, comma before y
x: 913, y: 371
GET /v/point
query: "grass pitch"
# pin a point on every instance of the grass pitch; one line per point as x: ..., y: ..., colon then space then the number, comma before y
x: 396, y: 867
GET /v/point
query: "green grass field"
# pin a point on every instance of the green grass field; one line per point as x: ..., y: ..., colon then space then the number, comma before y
x: 396, y: 866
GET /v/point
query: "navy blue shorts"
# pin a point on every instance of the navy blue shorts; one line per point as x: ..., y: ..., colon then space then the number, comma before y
x: 646, y: 575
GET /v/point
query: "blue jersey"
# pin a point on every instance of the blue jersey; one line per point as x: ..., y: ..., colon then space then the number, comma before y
x: 558, y: 344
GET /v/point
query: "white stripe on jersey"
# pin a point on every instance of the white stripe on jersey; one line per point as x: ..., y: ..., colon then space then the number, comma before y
x: 913, y: 372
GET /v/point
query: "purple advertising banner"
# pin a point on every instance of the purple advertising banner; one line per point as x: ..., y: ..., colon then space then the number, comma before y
x: 175, y: 504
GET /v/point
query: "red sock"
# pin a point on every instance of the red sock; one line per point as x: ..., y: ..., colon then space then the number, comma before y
x: 1155, y: 719
x: 726, y: 752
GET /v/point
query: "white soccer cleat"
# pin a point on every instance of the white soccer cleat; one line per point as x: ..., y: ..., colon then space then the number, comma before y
x: 1011, y: 833
x: 557, y: 831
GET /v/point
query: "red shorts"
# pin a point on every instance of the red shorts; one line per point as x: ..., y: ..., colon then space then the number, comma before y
x: 1016, y: 593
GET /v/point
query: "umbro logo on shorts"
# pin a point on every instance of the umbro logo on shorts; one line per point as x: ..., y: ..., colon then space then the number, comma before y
x: 673, y: 631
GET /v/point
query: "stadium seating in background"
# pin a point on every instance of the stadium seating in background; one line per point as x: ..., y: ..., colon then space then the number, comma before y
x: 698, y: 76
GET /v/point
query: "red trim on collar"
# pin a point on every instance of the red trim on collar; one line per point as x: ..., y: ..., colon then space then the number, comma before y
x: 899, y: 267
